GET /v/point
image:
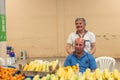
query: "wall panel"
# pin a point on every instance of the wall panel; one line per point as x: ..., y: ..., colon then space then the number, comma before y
x: 31, y: 26
x: 42, y: 26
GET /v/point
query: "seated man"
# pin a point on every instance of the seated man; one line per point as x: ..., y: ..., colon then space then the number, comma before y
x: 79, y: 56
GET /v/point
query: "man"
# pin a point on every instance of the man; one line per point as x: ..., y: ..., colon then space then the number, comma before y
x: 79, y: 56
x: 81, y: 32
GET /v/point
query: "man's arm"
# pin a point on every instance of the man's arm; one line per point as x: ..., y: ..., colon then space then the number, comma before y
x: 68, y: 48
x: 67, y: 61
x: 93, y: 45
x: 93, y: 64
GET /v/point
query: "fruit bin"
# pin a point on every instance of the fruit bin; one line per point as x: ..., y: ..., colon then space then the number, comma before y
x: 33, y: 73
x: 30, y: 69
x: 63, y: 74
x: 9, y: 73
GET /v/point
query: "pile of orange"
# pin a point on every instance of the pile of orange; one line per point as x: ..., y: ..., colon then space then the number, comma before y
x: 7, y: 74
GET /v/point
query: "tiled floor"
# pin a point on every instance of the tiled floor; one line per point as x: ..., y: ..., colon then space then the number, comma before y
x: 61, y: 60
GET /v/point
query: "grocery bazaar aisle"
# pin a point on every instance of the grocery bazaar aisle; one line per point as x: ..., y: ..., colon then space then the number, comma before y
x: 61, y: 60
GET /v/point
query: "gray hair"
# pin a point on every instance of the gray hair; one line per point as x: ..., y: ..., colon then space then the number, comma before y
x: 83, y: 19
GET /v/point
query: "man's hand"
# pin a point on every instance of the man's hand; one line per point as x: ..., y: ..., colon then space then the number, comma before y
x: 68, y: 49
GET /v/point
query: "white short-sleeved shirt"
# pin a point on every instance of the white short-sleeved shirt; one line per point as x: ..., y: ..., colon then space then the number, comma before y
x: 88, y: 36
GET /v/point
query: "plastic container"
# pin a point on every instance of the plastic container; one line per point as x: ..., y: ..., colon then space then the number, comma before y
x: 10, y: 60
x: 23, y: 55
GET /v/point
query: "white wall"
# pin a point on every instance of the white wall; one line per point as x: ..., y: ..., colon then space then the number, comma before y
x: 42, y: 26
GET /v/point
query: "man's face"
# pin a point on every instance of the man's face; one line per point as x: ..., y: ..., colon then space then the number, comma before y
x: 79, y: 45
x: 80, y: 25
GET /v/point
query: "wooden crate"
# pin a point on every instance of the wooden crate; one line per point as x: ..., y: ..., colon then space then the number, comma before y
x: 33, y: 73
